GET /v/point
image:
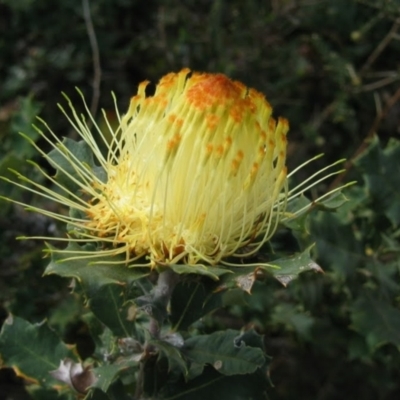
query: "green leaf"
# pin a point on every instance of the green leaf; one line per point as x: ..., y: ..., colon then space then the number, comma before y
x: 289, y: 316
x: 107, y: 374
x: 22, y: 121
x: 190, y: 301
x: 109, y: 306
x: 60, y: 158
x: 376, y: 320
x: 337, y: 245
x: 172, y: 354
x: 32, y: 350
x: 283, y: 269
x: 288, y: 268
x: 381, y: 172
x: 213, y: 272
x: 332, y: 202
x: 102, y: 337
x: 224, y: 353
x: 93, y: 273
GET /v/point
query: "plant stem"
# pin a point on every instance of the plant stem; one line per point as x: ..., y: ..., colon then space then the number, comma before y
x: 166, y: 283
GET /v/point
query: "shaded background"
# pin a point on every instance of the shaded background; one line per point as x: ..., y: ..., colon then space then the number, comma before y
x: 331, y: 67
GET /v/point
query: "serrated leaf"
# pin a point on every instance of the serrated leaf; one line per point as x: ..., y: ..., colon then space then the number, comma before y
x: 190, y: 301
x: 102, y: 337
x: 109, y: 306
x: 106, y: 375
x: 338, y: 248
x: 288, y: 268
x: 376, y: 320
x: 250, y: 338
x: 22, y: 121
x: 172, y: 354
x: 297, y: 223
x: 381, y: 172
x: 92, y: 273
x: 332, y: 202
x: 32, y: 350
x: 220, y: 350
x: 283, y: 269
x: 60, y: 158
x: 213, y: 272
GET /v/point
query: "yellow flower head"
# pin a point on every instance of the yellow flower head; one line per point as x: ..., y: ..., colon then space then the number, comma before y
x: 194, y: 173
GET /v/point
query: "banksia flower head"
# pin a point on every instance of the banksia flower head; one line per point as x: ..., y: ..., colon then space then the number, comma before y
x: 194, y: 173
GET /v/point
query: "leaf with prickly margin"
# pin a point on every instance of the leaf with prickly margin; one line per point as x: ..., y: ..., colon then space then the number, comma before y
x: 337, y: 245
x: 106, y: 375
x: 109, y: 306
x: 190, y: 301
x: 224, y: 353
x: 32, y: 350
x: 290, y: 316
x: 212, y: 385
x: 213, y: 272
x: 298, y: 223
x: 291, y: 221
x: 22, y: 121
x: 172, y: 354
x: 332, y: 202
x: 288, y: 268
x: 93, y: 273
x: 103, y: 338
x: 381, y: 173
x: 65, y: 164
x: 376, y: 320
x: 283, y: 269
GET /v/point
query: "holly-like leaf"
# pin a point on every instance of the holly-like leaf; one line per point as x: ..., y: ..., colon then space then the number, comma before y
x: 190, y: 301
x: 172, y: 354
x: 92, y: 273
x: 32, y: 350
x: 225, y: 353
x: 288, y: 268
x: 283, y: 269
x: 61, y: 160
x: 22, y: 121
x: 109, y: 306
x: 376, y: 320
x: 381, y: 172
x: 213, y: 272
x: 107, y: 374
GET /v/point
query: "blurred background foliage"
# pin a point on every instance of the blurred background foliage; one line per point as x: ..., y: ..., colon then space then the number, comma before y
x: 331, y: 67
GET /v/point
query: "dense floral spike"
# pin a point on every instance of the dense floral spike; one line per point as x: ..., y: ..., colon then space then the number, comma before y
x: 194, y: 173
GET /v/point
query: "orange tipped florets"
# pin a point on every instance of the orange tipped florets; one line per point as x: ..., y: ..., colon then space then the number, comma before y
x: 194, y: 173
